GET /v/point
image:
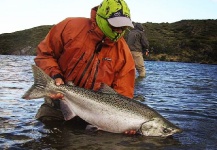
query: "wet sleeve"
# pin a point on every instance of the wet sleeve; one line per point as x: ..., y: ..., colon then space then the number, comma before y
x: 50, y: 49
x: 125, y: 78
x: 125, y: 84
x: 144, y: 41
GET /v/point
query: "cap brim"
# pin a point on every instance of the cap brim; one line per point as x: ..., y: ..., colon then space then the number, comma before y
x: 120, y: 22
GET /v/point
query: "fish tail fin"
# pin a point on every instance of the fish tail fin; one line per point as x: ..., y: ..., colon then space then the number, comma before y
x: 38, y: 89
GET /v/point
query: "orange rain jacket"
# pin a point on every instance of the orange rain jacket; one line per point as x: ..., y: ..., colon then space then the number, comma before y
x: 69, y: 51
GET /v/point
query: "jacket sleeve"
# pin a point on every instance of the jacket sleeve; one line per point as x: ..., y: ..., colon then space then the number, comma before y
x: 125, y: 84
x: 50, y: 49
x: 144, y: 41
x: 125, y: 78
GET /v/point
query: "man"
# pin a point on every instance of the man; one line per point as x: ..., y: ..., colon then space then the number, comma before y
x: 88, y: 52
x: 138, y: 45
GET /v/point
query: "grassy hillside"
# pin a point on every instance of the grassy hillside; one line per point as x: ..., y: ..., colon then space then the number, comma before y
x: 13, y: 43
x: 186, y: 41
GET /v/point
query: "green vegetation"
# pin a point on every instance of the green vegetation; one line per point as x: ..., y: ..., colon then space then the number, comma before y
x: 185, y: 41
x: 12, y: 43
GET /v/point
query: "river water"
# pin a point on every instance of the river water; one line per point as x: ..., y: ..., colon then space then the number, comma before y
x: 184, y: 93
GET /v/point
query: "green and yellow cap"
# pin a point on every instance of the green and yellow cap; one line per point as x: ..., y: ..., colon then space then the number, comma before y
x: 113, y: 12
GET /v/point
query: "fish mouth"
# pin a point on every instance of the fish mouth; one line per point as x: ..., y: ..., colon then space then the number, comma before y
x: 174, y: 131
x: 178, y: 130
x: 169, y: 134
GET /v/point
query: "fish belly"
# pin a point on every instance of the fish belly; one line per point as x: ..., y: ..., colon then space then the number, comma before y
x: 105, y: 117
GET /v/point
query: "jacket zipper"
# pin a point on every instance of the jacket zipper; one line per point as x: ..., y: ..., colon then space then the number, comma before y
x: 85, y: 70
x: 95, y: 75
x: 76, y: 64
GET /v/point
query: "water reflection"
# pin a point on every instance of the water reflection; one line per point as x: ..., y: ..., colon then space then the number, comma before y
x: 68, y: 138
x: 184, y: 93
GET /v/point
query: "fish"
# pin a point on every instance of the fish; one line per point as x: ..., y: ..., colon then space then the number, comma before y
x: 104, y: 109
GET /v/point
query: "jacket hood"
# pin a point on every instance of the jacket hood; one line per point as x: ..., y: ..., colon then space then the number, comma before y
x: 139, y: 26
x: 97, y: 29
x: 104, y: 26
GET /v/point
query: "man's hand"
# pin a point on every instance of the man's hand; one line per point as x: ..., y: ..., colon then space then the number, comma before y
x: 58, y: 81
x: 146, y: 52
x: 130, y: 132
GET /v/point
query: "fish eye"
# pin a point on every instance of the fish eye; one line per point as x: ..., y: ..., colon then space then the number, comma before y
x: 165, y: 130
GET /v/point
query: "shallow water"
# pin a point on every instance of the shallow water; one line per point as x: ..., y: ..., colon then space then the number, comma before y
x: 184, y: 93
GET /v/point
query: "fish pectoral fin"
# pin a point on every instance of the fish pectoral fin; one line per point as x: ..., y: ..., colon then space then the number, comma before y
x: 67, y: 112
x: 91, y: 128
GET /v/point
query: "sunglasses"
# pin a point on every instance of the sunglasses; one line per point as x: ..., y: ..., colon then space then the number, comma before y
x: 118, y: 29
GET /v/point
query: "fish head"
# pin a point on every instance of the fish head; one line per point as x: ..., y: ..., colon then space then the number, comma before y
x: 159, y: 127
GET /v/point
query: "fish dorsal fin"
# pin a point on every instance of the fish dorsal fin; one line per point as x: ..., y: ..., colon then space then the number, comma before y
x: 104, y: 88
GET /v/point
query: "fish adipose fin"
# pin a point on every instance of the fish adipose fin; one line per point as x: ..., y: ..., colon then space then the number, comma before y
x: 38, y: 89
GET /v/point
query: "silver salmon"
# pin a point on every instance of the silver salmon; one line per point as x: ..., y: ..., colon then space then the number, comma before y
x: 105, y: 109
